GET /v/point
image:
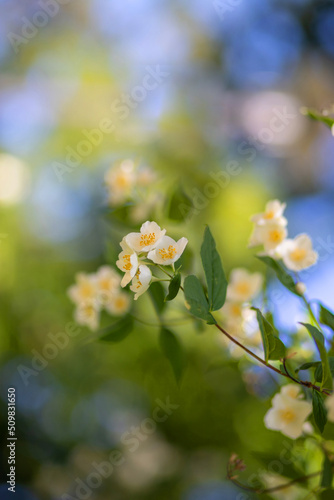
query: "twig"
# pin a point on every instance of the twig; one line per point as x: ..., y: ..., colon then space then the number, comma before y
x: 261, y: 491
x: 310, y: 385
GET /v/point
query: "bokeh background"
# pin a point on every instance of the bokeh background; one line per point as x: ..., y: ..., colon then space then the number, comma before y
x: 230, y: 67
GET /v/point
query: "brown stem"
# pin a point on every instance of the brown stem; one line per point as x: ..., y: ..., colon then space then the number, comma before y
x: 268, y: 365
x: 310, y: 385
x: 275, y: 488
x: 287, y: 372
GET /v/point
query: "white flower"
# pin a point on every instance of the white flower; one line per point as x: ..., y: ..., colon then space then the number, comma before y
x: 87, y: 314
x: 288, y: 415
x: 233, y: 317
x: 141, y: 281
x: 292, y: 390
x: 120, y: 180
x: 168, y: 250
x: 150, y: 234
x: 240, y: 321
x: 270, y: 235
x: 329, y: 402
x: 107, y: 282
x: 127, y: 262
x: 118, y: 304
x: 273, y: 212
x: 84, y: 289
x: 298, y: 253
x: 243, y: 286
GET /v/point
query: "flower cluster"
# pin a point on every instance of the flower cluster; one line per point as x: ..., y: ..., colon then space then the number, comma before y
x: 124, y: 178
x: 239, y: 319
x: 150, y: 244
x: 96, y: 291
x: 289, y: 412
x: 270, y: 230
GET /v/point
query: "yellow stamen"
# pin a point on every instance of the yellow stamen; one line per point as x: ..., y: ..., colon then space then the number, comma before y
x: 243, y: 288
x: 89, y: 310
x: 298, y: 254
x: 168, y: 253
x: 276, y: 236
x: 86, y: 290
x: 287, y: 415
x: 236, y: 310
x: 127, y: 264
x: 147, y: 239
x: 269, y: 215
x: 122, y: 180
x: 105, y: 284
x: 120, y: 302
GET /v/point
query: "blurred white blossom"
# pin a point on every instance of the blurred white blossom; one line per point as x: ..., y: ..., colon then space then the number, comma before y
x: 298, y: 254
x: 288, y: 413
x: 243, y: 285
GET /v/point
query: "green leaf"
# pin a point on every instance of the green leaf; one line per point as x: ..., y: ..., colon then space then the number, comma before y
x: 327, y: 473
x: 288, y: 468
x: 173, y: 350
x: 327, y: 494
x: 117, y: 331
x: 318, y: 371
x: 307, y: 366
x: 214, y: 272
x: 314, y: 115
x: 285, y: 369
x: 319, y: 340
x: 284, y: 277
x: 174, y: 287
x: 272, y: 345
x: 326, y: 317
x: 196, y: 299
x: 319, y: 410
x: 157, y: 294
x: 180, y: 205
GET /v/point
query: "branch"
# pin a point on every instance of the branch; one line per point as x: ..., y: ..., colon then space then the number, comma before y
x: 310, y: 385
x: 236, y: 464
